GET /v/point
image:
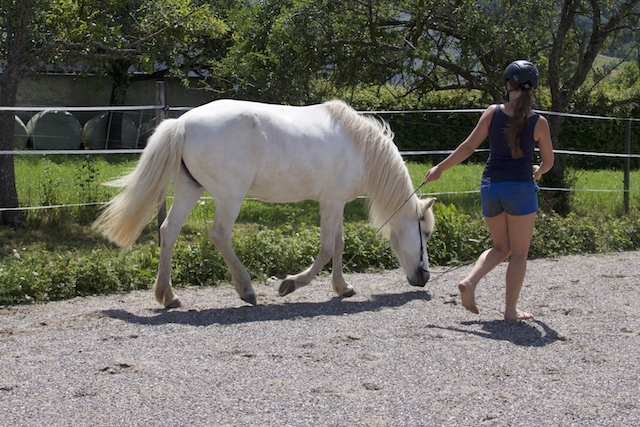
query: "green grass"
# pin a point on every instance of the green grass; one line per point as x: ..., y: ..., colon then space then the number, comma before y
x: 60, y: 179
x: 458, y: 186
x: 55, y: 180
x: 57, y: 255
x: 607, y: 199
x: 600, y: 192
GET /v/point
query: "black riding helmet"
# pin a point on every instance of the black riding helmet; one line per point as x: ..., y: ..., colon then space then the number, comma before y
x: 522, y: 74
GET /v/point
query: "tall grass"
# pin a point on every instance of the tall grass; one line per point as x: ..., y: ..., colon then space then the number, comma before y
x: 53, y: 180
x: 57, y: 255
x: 594, y: 192
x: 60, y: 180
x: 601, y: 192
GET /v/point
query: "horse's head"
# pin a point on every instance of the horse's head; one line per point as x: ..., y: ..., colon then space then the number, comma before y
x: 408, y: 240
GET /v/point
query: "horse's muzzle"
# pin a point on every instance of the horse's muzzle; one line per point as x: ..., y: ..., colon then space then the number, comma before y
x: 420, y: 279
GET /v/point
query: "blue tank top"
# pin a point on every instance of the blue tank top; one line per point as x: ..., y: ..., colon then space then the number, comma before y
x: 500, y: 166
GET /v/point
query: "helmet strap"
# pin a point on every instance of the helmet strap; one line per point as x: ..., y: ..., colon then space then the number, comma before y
x: 507, y: 92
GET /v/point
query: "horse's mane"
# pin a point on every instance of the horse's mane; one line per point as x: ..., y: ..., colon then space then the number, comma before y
x: 387, y: 181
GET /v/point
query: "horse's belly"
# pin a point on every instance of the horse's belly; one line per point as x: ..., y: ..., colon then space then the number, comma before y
x: 285, y: 155
x: 309, y: 172
x: 292, y: 188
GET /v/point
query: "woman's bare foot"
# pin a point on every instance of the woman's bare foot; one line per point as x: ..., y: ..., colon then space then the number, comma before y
x: 518, y: 315
x: 468, y: 297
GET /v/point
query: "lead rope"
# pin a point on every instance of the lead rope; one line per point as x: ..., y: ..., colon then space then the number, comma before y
x: 455, y: 267
x: 450, y: 269
x: 385, y: 223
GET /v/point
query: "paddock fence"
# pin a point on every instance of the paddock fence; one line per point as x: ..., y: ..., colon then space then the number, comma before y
x: 141, y: 121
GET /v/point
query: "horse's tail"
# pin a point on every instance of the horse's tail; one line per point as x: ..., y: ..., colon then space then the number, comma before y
x: 145, y: 187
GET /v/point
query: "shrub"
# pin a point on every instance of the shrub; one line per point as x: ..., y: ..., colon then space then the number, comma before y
x: 457, y: 237
x: 42, y: 275
x: 47, y: 276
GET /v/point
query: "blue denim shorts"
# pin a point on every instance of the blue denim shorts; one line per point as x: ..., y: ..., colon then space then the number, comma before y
x: 514, y: 198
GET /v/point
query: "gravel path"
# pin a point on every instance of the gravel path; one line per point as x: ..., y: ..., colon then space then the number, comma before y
x: 392, y: 355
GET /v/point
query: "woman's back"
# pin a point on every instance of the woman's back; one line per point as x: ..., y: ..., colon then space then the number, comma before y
x: 501, y: 166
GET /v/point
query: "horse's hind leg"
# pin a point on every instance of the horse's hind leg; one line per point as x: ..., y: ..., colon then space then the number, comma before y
x: 186, y: 194
x: 226, y: 213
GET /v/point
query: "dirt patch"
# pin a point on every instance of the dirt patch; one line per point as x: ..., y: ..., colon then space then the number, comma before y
x: 391, y: 355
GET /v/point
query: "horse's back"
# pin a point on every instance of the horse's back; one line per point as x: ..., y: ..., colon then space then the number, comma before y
x: 279, y: 153
x: 218, y: 116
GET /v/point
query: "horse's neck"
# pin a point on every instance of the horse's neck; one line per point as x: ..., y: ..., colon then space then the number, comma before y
x: 388, y: 187
x: 386, y: 179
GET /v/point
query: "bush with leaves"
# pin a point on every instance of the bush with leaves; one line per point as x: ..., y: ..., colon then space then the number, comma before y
x: 43, y: 275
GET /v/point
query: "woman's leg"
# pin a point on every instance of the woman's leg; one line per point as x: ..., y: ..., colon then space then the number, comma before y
x: 488, y: 260
x: 520, y: 232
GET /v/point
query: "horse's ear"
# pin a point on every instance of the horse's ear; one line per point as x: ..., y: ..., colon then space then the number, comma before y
x: 429, y: 202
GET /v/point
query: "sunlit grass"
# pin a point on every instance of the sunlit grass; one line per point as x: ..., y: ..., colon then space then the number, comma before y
x: 594, y: 192
x: 458, y: 186
x: 602, y: 192
x: 62, y: 256
x: 60, y: 180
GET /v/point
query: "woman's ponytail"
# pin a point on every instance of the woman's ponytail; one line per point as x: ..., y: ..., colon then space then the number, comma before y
x: 521, y: 106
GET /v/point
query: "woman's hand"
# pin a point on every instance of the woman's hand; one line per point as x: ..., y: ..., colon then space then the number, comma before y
x: 536, y: 172
x: 432, y: 174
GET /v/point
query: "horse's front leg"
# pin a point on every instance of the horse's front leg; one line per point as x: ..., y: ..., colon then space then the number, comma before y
x: 338, y: 283
x: 220, y: 235
x: 293, y: 282
x: 331, y: 245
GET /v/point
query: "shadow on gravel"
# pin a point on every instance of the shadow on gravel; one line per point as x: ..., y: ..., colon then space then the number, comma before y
x: 262, y: 313
x: 526, y: 334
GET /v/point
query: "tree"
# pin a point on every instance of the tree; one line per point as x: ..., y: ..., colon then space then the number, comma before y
x: 114, y: 34
x: 168, y: 37
x: 428, y: 45
x: 581, y: 31
x: 20, y: 50
x: 422, y: 45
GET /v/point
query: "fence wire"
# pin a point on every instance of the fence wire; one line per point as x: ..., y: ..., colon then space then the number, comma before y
x: 408, y: 153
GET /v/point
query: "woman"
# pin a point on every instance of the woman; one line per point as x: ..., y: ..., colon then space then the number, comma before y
x: 508, y: 191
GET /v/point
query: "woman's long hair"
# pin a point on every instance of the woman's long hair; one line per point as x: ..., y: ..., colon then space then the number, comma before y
x: 521, y: 106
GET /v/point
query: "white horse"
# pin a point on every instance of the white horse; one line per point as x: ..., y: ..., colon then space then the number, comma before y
x: 275, y: 153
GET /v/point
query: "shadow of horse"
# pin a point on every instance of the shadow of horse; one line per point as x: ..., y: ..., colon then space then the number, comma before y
x: 263, y: 313
x: 526, y: 334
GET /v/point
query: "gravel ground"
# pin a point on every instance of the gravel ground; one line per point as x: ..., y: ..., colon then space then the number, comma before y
x: 392, y: 355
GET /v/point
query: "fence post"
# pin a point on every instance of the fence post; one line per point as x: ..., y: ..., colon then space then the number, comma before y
x: 160, y: 102
x: 627, y: 166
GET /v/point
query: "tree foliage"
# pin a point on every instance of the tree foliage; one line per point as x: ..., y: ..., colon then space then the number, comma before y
x: 108, y: 36
x: 422, y: 45
x: 427, y: 45
x: 301, y: 51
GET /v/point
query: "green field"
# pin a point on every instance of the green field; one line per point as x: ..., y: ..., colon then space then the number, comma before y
x: 63, y: 180
x: 56, y: 254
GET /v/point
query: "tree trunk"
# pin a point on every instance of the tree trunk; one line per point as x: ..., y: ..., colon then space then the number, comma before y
x: 563, y: 89
x: 120, y: 85
x: 17, y: 21
x: 8, y: 192
x: 555, y: 200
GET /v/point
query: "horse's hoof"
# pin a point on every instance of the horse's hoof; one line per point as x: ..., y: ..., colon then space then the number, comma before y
x: 349, y: 293
x: 250, y: 298
x: 174, y: 303
x: 419, y: 285
x: 286, y: 287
